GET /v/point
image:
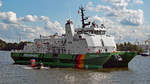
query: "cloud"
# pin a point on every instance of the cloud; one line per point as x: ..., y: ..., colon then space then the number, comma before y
x: 98, y: 8
x: 118, y: 4
x: 138, y: 1
x: 129, y: 33
x: 55, y: 27
x: 102, y: 8
x: 118, y: 11
x: 29, y: 18
x: 3, y: 25
x: 0, y: 3
x: 12, y: 32
x: 13, y: 28
x: 44, y: 18
x: 8, y: 17
x: 133, y: 17
x: 101, y: 20
x: 89, y: 6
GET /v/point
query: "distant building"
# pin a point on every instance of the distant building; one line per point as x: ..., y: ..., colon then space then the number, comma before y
x: 144, y: 45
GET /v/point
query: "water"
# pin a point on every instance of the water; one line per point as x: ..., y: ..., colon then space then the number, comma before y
x: 18, y: 74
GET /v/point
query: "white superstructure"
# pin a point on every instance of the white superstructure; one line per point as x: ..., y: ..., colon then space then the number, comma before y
x: 79, y: 41
x: 91, y: 38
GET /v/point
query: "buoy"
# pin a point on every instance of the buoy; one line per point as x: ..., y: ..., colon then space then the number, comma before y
x: 33, y: 62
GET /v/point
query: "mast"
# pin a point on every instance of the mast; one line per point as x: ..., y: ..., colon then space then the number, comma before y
x: 83, y: 18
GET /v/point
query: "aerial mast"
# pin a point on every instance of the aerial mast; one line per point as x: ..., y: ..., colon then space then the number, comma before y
x: 83, y: 18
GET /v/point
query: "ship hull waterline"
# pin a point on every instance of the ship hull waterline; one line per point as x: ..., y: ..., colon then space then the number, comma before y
x: 80, y: 61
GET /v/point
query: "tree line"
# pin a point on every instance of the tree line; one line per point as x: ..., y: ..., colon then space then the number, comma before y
x: 127, y: 46
x: 12, y: 46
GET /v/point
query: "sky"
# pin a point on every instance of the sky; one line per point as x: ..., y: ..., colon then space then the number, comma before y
x: 126, y: 20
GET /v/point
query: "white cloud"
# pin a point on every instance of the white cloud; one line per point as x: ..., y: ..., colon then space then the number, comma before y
x: 55, y: 27
x: 12, y: 27
x: 89, y: 6
x: 138, y: 1
x: 0, y: 3
x: 118, y: 10
x: 101, y: 20
x: 98, y: 8
x: 129, y: 33
x: 44, y: 18
x: 3, y: 26
x: 121, y: 4
x: 29, y: 18
x: 133, y: 17
x: 12, y: 32
x: 102, y: 8
x: 8, y: 17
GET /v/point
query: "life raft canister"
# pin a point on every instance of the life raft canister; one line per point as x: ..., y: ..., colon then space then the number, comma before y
x: 119, y: 58
x: 33, y: 62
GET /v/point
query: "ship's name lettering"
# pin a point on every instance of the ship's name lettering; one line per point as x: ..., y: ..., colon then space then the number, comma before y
x: 94, y: 55
x: 30, y: 55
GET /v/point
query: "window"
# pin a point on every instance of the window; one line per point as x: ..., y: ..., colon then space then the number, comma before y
x: 80, y: 37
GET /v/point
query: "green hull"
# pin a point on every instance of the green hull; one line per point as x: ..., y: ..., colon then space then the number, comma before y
x: 82, y: 61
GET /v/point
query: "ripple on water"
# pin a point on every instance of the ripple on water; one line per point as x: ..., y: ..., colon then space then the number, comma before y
x: 140, y: 64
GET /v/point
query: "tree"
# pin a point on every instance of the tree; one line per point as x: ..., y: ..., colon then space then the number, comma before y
x: 12, y: 46
x: 129, y: 47
x: 2, y: 44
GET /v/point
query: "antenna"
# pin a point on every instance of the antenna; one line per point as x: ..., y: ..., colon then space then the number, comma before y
x: 83, y: 18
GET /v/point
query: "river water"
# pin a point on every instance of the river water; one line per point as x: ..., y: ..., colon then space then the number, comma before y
x: 21, y: 74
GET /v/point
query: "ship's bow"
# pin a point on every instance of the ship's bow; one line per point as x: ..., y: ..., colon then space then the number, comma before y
x: 120, y: 59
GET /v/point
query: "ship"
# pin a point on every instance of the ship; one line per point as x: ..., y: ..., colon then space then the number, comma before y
x: 87, y: 47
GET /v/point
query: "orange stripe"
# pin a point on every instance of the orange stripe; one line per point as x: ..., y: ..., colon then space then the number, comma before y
x: 81, y: 61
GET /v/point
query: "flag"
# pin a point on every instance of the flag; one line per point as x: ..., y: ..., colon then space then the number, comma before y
x: 88, y: 49
x: 78, y: 11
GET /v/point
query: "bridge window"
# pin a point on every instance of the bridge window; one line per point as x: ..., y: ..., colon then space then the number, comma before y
x: 80, y: 37
x: 79, y: 32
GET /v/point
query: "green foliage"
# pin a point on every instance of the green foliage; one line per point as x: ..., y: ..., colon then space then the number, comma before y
x: 12, y: 46
x: 2, y: 44
x: 129, y: 47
